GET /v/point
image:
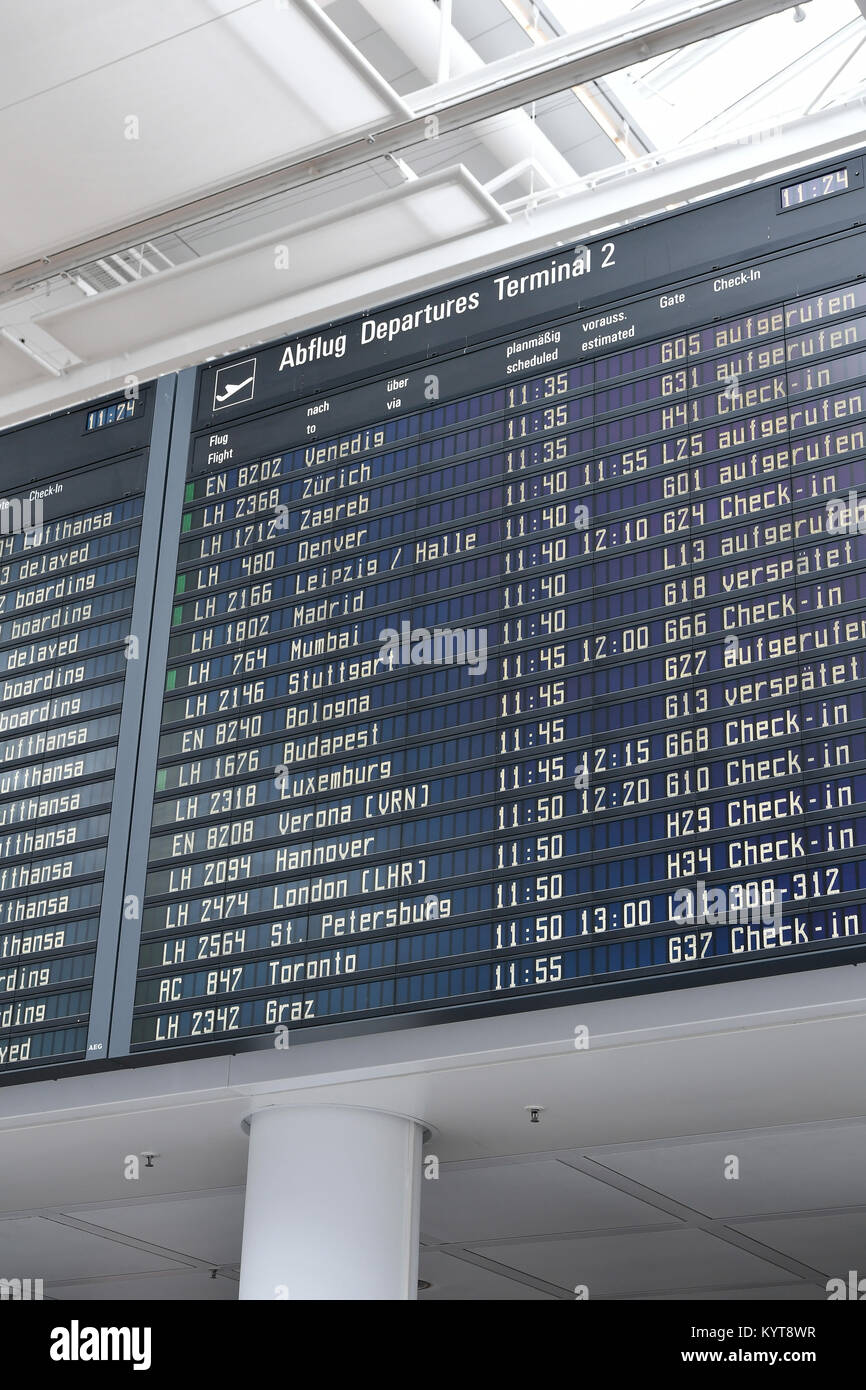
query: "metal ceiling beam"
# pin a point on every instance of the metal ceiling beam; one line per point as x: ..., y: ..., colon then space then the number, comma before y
x: 574, y: 59
x: 495, y: 89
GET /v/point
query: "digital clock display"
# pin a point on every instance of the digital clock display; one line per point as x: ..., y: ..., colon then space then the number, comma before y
x: 823, y: 186
x: 109, y: 415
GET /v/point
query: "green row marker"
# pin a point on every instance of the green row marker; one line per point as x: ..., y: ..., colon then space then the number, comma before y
x: 180, y: 585
x: 161, y: 779
x: 186, y: 524
x: 170, y: 679
x: 177, y: 616
x: 189, y: 492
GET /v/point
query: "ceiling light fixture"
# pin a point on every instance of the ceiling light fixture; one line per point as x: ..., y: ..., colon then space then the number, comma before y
x: 530, y: 26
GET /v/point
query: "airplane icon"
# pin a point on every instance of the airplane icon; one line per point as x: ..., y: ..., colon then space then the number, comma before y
x: 228, y: 390
x: 234, y: 387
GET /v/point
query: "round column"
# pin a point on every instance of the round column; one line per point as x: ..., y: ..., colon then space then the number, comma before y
x: 332, y: 1204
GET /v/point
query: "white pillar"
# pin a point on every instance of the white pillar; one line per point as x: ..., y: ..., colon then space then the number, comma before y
x: 332, y: 1204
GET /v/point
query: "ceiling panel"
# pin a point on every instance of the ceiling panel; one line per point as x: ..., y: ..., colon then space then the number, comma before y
x: 490, y: 28
x: 50, y: 42
x: 830, y: 1243
x: 84, y: 1161
x: 809, y: 1168
x: 36, y: 1247
x: 462, y: 1281
x: 525, y: 1199
x: 184, y: 1287
x: 652, y: 1262
x: 772, y: 1293
x: 227, y: 99
x: 208, y: 1226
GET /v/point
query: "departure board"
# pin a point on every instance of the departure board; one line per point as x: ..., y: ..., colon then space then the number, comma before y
x: 516, y: 653
x: 72, y: 614
x: 499, y: 648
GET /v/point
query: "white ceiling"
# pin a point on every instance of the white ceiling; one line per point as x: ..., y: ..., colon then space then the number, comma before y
x: 621, y: 1187
x: 223, y: 91
x: 640, y: 1220
x: 656, y: 1220
x: 210, y: 91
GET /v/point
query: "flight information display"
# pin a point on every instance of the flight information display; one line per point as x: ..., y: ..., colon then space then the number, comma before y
x: 500, y: 648
x: 521, y: 672
x: 70, y: 536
